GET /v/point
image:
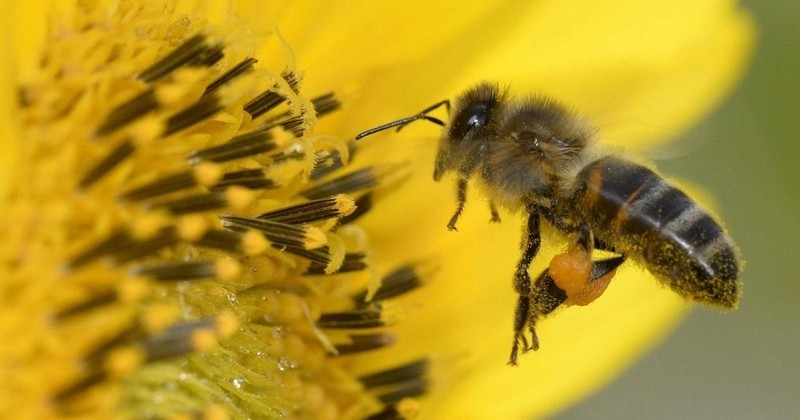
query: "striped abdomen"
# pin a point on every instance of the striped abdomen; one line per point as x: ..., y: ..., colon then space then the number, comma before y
x: 637, y: 212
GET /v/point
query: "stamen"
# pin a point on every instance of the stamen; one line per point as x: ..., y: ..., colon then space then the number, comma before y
x: 325, y: 104
x: 359, y: 180
x: 95, y: 357
x: 128, y: 112
x: 93, y: 303
x: 115, y: 242
x: 194, y: 51
x: 365, y: 342
x: 412, y: 388
x: 292, y: 80
x: 353, y: 261
x: 194, y: 203
x: 208, y: 57
x: 249, y: 178
x: 408, y: 372
x: 165, y: 185
x: 177, y: 270
x: 280, y: 234
x: 248, y: 144
x: 244, y: 67
x: 312, y: 211
x: 402, y: 280
x: 321, y: 256
x: 177, y: 340
x: 293, y: 125
x: 263, y: 103
x: 331, y: 162
x: 80, y: 387
x: 221, y: 239
x: 207, y: 106
x: 163, y: 239
x: 119, y: 154
x: 407, y: 408
x: 362, y: 206
x: 370, y: 318
x: 268, y: 100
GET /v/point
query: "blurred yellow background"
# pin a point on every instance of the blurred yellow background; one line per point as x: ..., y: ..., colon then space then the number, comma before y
x: 746, y: 364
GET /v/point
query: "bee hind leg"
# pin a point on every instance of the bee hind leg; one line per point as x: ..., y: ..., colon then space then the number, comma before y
x: 582, y: 279
x: 531, y: 240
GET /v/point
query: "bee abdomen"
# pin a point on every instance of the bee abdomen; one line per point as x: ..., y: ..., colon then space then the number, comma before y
x: 640, y: 214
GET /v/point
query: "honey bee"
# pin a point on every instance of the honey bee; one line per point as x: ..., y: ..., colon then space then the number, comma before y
x: 535, y: 155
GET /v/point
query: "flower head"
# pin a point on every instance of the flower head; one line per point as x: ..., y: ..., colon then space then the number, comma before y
x: 181, y: 236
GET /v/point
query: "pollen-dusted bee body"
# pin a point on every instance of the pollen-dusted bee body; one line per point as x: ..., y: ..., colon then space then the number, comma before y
x: 535, y: 155
x: 636, y: 211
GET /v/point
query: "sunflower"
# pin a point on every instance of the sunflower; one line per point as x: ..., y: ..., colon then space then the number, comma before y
x: 188, y: 229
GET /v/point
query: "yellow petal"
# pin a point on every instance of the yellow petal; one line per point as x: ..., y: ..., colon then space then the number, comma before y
x: 628, y: 64
x: 662, y: 85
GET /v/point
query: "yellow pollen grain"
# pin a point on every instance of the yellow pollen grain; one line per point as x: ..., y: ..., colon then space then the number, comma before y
x: 148, y: 224
x: 226, y: 324
x: 571, y: 270
x: 294, y: 347
x: 227, y: 269
x: 239, y: 197
x: 184, y: 86
x: 314, y: 238
x: 204, y: 340
x: 208, y: 173
x: 314, y: 359
x: 124, y: 361
x: 591, y: 292
x: 313, y: 397
x: 147, y: 130
x: 192, y: 227
x: 254, y: 243
x: 408, y: 408
x: 133, y: 289
x: 171, y: 95
x: 345, y: 205
x: 158, y: 317
x: 215, y: 412
x: 290, y: 308
x: 328, y: 411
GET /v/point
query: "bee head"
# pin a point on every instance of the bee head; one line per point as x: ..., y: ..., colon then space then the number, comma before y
x: 471, y: 127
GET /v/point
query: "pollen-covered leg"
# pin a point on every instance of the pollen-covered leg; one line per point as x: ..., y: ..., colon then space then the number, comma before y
x: 521, y: 318
x: 461, y: 191
x: 574, y: 272
x: 522, y: 284
x: 545, y: 297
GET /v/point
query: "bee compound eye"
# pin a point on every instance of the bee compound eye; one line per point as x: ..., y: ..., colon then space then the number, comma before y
x: 470, y: 119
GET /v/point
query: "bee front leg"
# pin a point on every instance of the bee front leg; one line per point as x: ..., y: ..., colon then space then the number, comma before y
x: 461, y: 193
x: 522, y: 284
x: 495, y: 213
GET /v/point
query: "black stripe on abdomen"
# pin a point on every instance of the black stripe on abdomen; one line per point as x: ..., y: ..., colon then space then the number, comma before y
x: 639, y: 213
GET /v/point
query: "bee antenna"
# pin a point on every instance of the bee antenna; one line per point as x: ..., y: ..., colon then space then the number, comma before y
x: 405, y: 121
